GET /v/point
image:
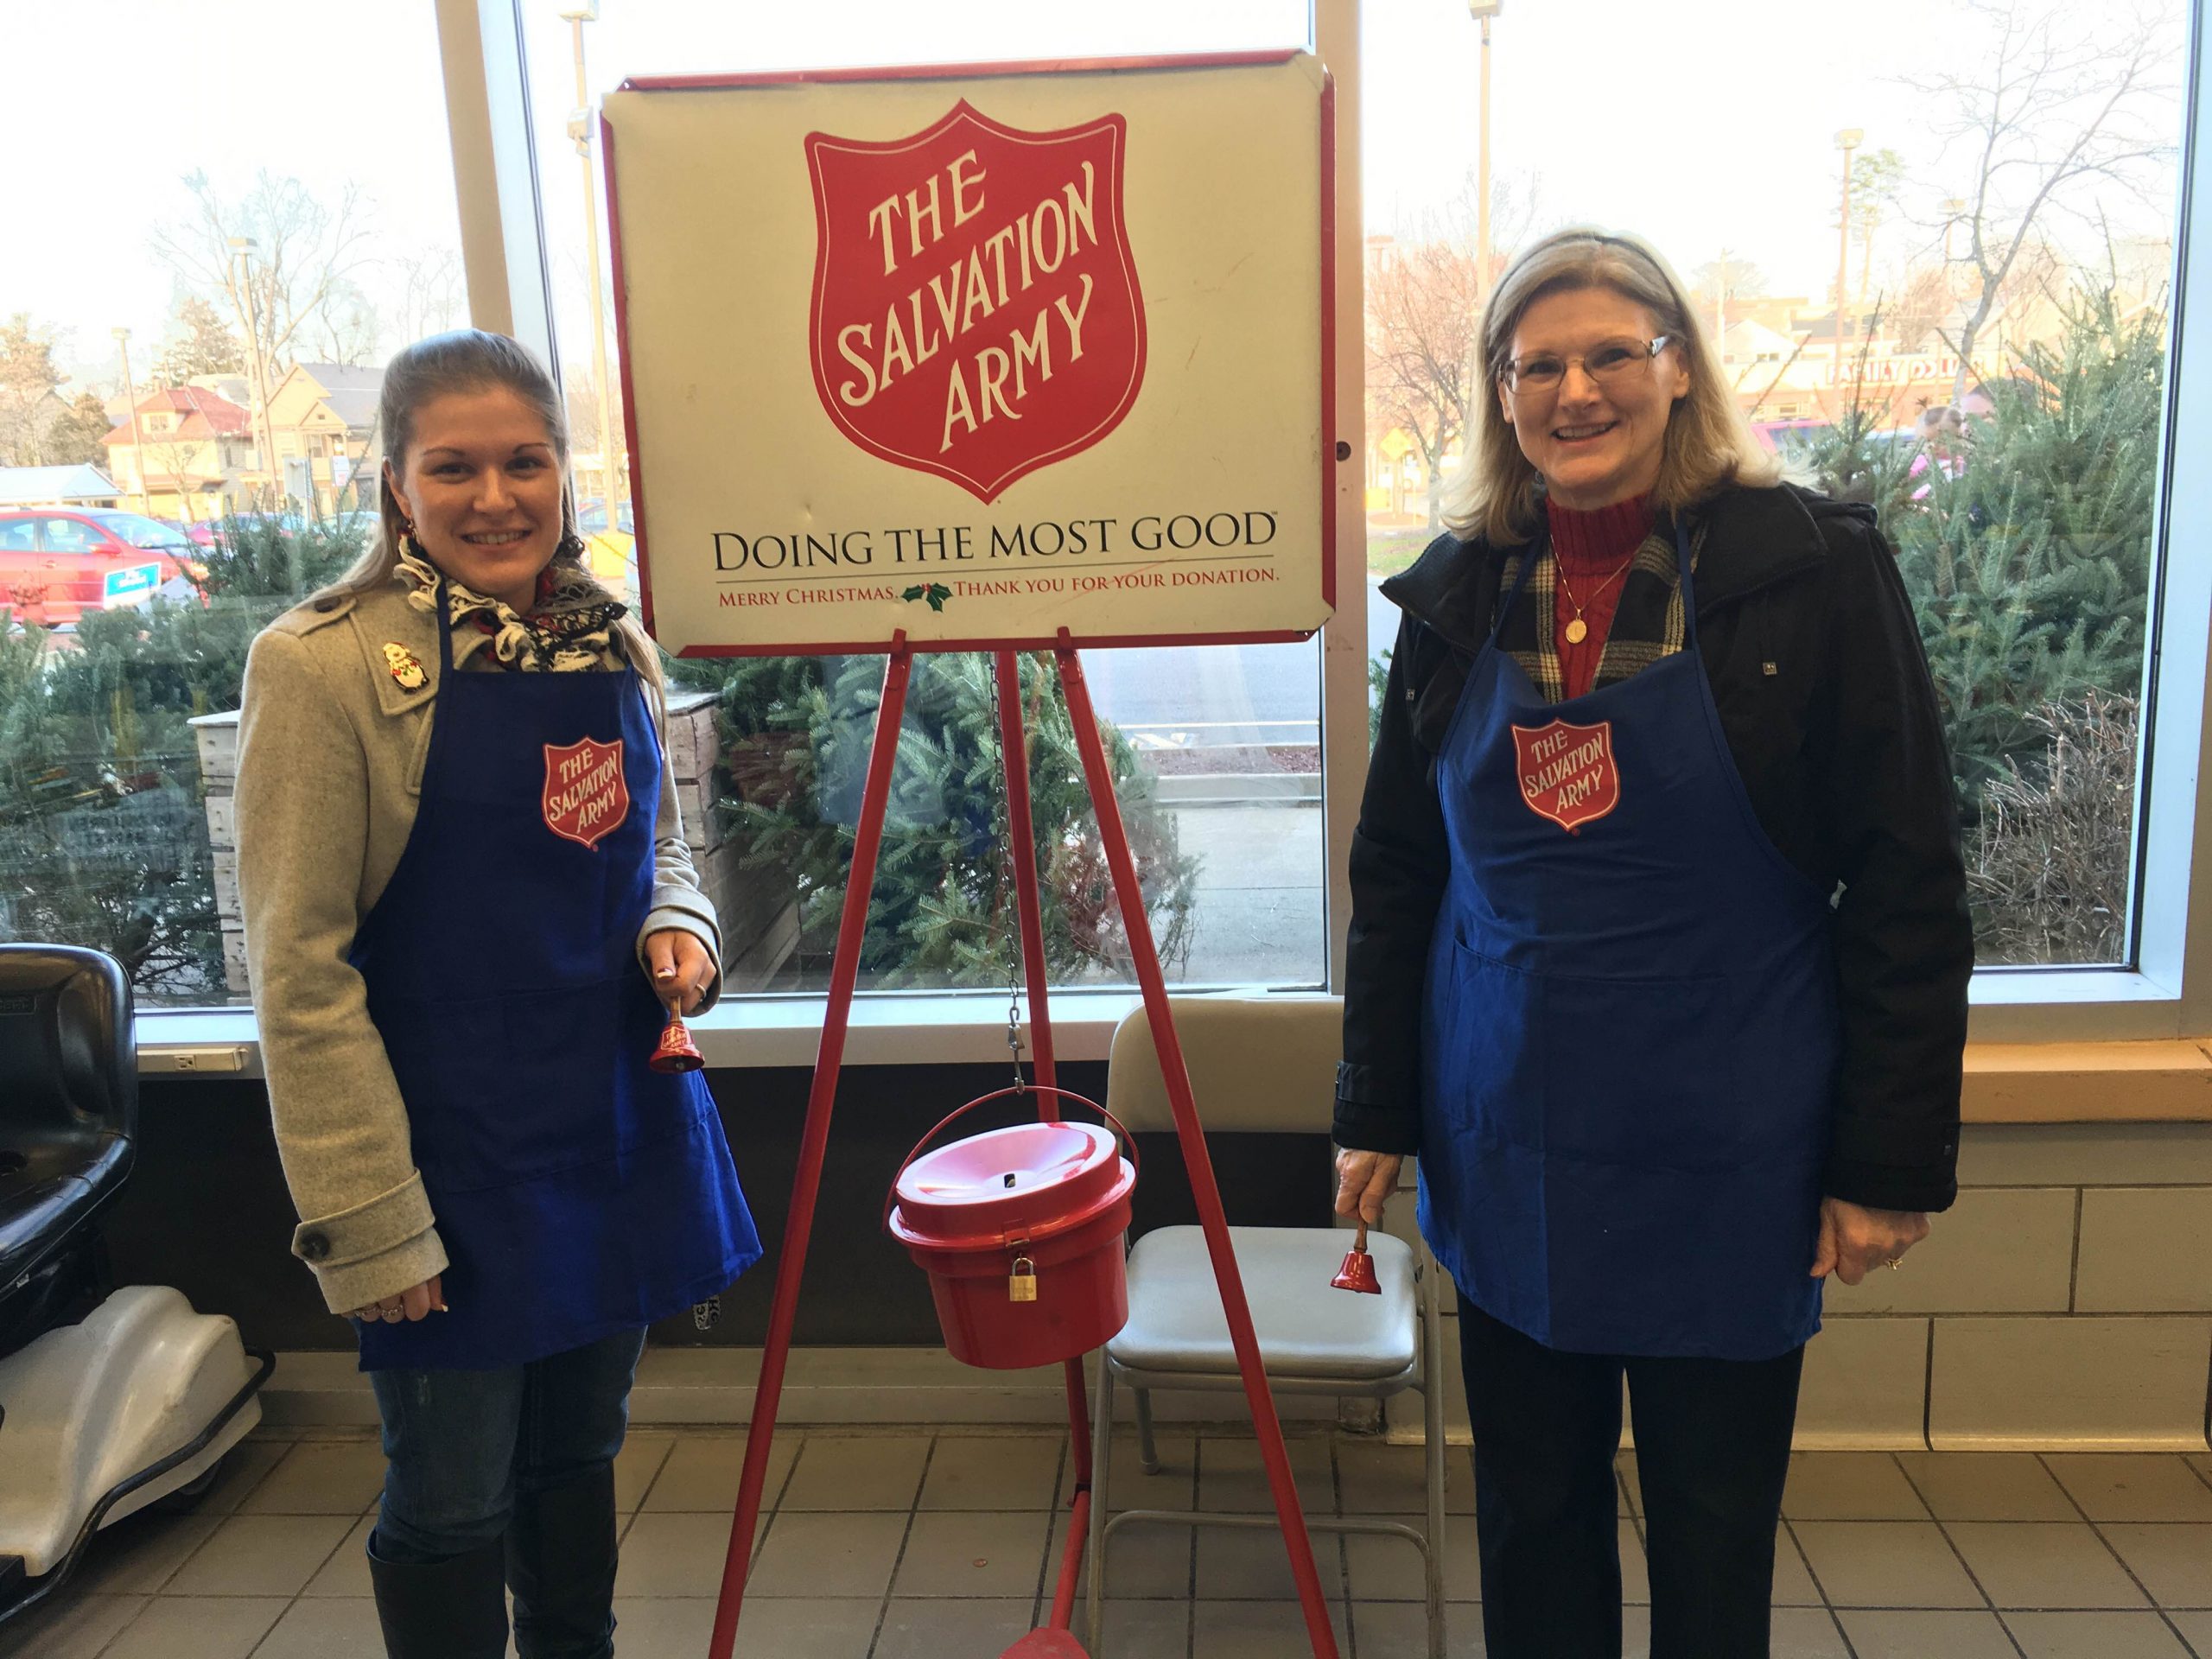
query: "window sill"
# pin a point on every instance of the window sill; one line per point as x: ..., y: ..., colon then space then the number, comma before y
x: 944, y: 1028
x: 2087, y: 1082
x: 2064, y: 1081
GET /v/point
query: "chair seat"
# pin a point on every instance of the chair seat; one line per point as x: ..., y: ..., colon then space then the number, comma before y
x: 1308, y: 1332
x: 56, y: 1191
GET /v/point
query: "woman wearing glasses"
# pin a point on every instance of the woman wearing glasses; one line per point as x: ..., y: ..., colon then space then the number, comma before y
x: 1659, y: 949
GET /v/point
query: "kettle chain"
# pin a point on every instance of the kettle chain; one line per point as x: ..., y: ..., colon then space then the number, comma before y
x: 1009, y: 933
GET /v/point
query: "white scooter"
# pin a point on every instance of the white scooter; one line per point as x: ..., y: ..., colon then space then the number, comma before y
x: 111, y: 1400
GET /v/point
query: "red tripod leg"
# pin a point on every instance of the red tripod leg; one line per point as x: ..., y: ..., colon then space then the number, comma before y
x: 844, y: 975
x: 1195, y: 1158
x: 1021, y: 830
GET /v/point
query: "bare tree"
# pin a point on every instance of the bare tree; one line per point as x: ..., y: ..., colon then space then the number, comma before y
x: 2044, y: 114
x: 431, y: 293
x: 30, y: 382
x: 1725, y: 277
x: 1424, y: 298
x: 582, y: 393
x: 205, y: 347
x: 1876, y: 182
x: 1927, y: 304
x: 1424, y: 347
x: 295, y: 291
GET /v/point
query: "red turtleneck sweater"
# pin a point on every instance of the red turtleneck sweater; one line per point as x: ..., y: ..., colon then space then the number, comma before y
x: 1593, y: 549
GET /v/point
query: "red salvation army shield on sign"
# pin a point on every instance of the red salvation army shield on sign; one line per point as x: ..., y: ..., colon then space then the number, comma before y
x: 587, y: 797
x: 1566, y: 772
x: 976, y: 310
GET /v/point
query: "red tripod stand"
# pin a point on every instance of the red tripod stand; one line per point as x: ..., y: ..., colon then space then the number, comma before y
x: 1053, y: 1640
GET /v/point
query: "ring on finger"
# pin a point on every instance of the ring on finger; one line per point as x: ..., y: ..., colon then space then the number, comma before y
x: 393, y: 1315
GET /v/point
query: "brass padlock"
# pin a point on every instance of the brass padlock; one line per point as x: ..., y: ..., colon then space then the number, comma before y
x: 1021, y: 1284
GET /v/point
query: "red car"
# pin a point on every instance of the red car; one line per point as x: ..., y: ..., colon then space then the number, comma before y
x: 58, y: 562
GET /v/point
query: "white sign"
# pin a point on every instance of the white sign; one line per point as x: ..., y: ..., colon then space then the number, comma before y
x: 978, y: 356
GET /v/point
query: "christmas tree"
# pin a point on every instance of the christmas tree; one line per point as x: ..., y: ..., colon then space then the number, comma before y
x: 103, y: 830
x: 796, y: 734
x: 2024, y: 542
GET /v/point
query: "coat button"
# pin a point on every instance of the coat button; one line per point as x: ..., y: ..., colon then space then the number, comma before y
x: 314, y: 1246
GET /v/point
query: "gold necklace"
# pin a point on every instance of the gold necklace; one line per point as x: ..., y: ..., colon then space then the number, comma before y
x: 1577, y: 630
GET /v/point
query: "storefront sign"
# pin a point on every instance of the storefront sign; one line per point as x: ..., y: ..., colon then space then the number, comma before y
x: 980, y: 355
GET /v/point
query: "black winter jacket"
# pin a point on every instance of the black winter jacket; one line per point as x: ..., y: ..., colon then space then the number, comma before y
x: 1825, y: 697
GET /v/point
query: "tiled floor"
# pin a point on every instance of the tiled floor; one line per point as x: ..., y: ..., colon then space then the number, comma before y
x: 891, y: 1545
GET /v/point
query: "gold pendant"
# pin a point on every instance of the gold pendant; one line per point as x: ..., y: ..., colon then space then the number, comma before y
x: 1576, y: 631
x: 404, y: 668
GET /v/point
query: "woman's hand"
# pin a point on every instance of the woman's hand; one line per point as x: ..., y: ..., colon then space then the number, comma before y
x: 410, y: 1304
x: 1364, y: 1182
x: 682, y: 969
x: 1854, y: 1240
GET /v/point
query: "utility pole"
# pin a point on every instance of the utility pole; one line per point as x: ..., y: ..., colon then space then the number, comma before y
x: 257, y: 415
x: 138, y: 443
x: 1846, y: 141
x: 579, y: 126
x: 1482, y: 11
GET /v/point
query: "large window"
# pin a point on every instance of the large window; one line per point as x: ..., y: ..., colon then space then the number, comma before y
x: 1939, y: 246
x: 1936, y: 246
x: 223, y: 218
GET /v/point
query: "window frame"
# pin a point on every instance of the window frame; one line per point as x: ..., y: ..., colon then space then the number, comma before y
x: 2166, y: 996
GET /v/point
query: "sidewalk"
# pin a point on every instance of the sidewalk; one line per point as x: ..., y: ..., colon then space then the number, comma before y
x: 1260, y: 888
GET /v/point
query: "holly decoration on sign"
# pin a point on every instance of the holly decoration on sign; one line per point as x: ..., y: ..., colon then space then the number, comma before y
x: 935, y: 592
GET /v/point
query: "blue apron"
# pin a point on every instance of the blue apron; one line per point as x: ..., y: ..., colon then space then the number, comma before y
x: 1630, y: 1030
x: 577, y: 1191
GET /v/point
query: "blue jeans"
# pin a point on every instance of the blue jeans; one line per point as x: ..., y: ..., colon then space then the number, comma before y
x: 460, y: 1446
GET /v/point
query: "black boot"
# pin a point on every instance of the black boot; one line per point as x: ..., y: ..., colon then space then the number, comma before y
x: 561, y: 1565
x: 454, y: 1609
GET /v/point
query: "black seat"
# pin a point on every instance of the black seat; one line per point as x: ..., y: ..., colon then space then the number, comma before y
x: 68, y: 1126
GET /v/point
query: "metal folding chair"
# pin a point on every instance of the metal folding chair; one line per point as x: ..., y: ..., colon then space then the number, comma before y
x: 1264, y: 1064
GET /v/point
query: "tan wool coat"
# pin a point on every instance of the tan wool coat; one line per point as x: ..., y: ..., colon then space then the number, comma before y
x: 331, y: 751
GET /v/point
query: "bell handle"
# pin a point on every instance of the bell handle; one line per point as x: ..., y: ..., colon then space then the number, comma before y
x: 890, y: 1195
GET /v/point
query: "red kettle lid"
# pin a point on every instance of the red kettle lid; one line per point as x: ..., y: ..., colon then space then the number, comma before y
x: 1034, y: 1178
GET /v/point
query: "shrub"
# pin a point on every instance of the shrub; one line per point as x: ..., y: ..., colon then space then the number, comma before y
x: 796, y: 734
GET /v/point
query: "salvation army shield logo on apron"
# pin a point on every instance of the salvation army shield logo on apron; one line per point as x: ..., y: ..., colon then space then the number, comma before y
x: 1566, y: 772
x: 975, y: 311
x: 587, y: 796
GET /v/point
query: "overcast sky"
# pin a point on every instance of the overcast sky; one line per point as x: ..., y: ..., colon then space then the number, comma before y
x: 1701, y: 123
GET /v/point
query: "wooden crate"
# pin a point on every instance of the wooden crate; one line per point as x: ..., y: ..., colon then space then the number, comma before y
x: 234, y: 974
x: 694, y: 748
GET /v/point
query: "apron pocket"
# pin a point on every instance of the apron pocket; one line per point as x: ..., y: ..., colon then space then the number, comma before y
x: 559, y: 1109
x: 500, y: 1089
x: 1642, y: 1070
x: 1488, y: 1074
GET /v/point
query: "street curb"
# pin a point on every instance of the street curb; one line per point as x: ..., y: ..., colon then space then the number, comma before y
x: 1228, y: 789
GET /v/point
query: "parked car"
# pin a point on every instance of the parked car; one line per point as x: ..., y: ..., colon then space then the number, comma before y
x: 57, y: 562
x: 1791, y: 440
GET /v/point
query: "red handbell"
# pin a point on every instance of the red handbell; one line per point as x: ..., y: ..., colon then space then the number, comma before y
x: 1359, y: 1270
x: 676, y: 1052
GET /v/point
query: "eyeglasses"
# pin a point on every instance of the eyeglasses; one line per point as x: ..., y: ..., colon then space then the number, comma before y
x: 1607, y: 364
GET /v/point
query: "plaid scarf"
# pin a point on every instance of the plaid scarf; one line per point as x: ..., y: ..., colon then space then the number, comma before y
x: 1647, y: 623
x: 569, y: 628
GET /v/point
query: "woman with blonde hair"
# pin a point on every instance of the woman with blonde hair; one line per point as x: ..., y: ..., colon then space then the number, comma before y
x: 1659, y: 949
x: 469, y: 908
